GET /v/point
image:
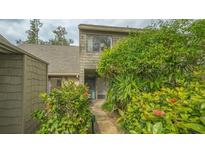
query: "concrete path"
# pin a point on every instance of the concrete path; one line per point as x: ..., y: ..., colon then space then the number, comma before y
x: 105, y: 124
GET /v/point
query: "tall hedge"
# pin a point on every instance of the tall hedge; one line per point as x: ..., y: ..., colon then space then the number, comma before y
x: 162, y: 56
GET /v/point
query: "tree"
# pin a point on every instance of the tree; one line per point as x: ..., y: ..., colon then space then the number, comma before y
x: 60, y: 38
x: 33, y: 33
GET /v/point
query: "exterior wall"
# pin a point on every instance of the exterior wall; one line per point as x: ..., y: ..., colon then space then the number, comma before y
x: 89, y: 60
x: 35, y: 82
x: 11, y: 92
x: 22, y: 78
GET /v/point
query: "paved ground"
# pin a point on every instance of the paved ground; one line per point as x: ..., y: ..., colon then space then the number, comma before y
x: 105, y: 124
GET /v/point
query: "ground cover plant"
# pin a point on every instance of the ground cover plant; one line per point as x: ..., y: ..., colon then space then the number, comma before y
x: 66, y: 110
x: 152, y: 68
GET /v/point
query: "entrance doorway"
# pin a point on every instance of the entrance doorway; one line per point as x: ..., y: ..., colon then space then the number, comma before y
x: 91, y: 83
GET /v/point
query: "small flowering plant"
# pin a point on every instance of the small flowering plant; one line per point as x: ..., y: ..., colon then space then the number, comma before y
x: 169, y: 110
x: 172, y: 100
x: 158, y: 113
x: 66, y: 110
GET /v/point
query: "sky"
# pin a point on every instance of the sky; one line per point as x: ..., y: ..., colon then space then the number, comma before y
x: 15, y: 29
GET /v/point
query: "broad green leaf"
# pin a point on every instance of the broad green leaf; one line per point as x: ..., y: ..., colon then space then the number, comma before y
x: 203, y: 106
x: 196, y: 127
x: 157, y: 128
x: 132, y: 132
x: 202, y: 119
x: 149, y: 127
x: 184, y: 116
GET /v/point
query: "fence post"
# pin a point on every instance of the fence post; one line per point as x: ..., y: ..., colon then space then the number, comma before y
x: 93, y: 123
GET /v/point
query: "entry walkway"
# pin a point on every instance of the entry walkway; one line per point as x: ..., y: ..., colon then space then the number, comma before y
x: 105, y: 124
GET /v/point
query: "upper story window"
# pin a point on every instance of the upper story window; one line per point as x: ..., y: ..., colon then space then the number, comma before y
x: 97, y: 43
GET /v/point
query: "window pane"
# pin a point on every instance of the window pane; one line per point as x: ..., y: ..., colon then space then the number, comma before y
x: 90, y: 43
x: 98, y: 43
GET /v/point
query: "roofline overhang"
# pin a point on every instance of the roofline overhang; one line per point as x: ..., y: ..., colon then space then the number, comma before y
x: 107, y: 28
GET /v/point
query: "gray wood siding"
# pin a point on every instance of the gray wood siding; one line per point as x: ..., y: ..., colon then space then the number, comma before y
x: 22, y: 79
x: 35, y: 82
x: 89, y: 60
x: 11, y: 90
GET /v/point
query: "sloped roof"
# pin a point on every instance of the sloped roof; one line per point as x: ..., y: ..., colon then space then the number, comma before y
x: 7, y: 48
x: 63, y: 60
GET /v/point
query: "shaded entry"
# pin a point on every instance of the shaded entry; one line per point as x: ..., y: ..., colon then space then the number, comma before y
x: 91, y: 83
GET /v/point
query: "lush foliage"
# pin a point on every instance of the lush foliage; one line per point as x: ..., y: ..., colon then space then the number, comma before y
x: 156, y: 57
x: 176, y: 110
x: 66, y: 110
x: 162, y: 57
x: 120, y: 92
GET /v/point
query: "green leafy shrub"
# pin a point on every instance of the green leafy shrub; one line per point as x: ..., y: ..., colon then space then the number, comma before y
x: 120, y: 91
x: 152, y: 59
x: 66, y: 110
x: 176, y: 110
x: 156, y: 57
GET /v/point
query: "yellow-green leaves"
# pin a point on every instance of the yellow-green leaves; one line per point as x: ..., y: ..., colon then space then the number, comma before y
x: 157, y: 128
x: 66, y: 110
x: 159, y: 69
x: 169, y: 110
x: 196, y: 127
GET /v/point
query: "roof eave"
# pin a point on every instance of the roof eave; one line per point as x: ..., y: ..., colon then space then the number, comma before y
x: 107, y: 28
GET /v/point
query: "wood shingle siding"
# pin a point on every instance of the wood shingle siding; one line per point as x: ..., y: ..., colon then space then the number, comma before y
x: 22, y: 78
x: 35, y: 82
x: 11, y: 93
x: 89, y: 60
